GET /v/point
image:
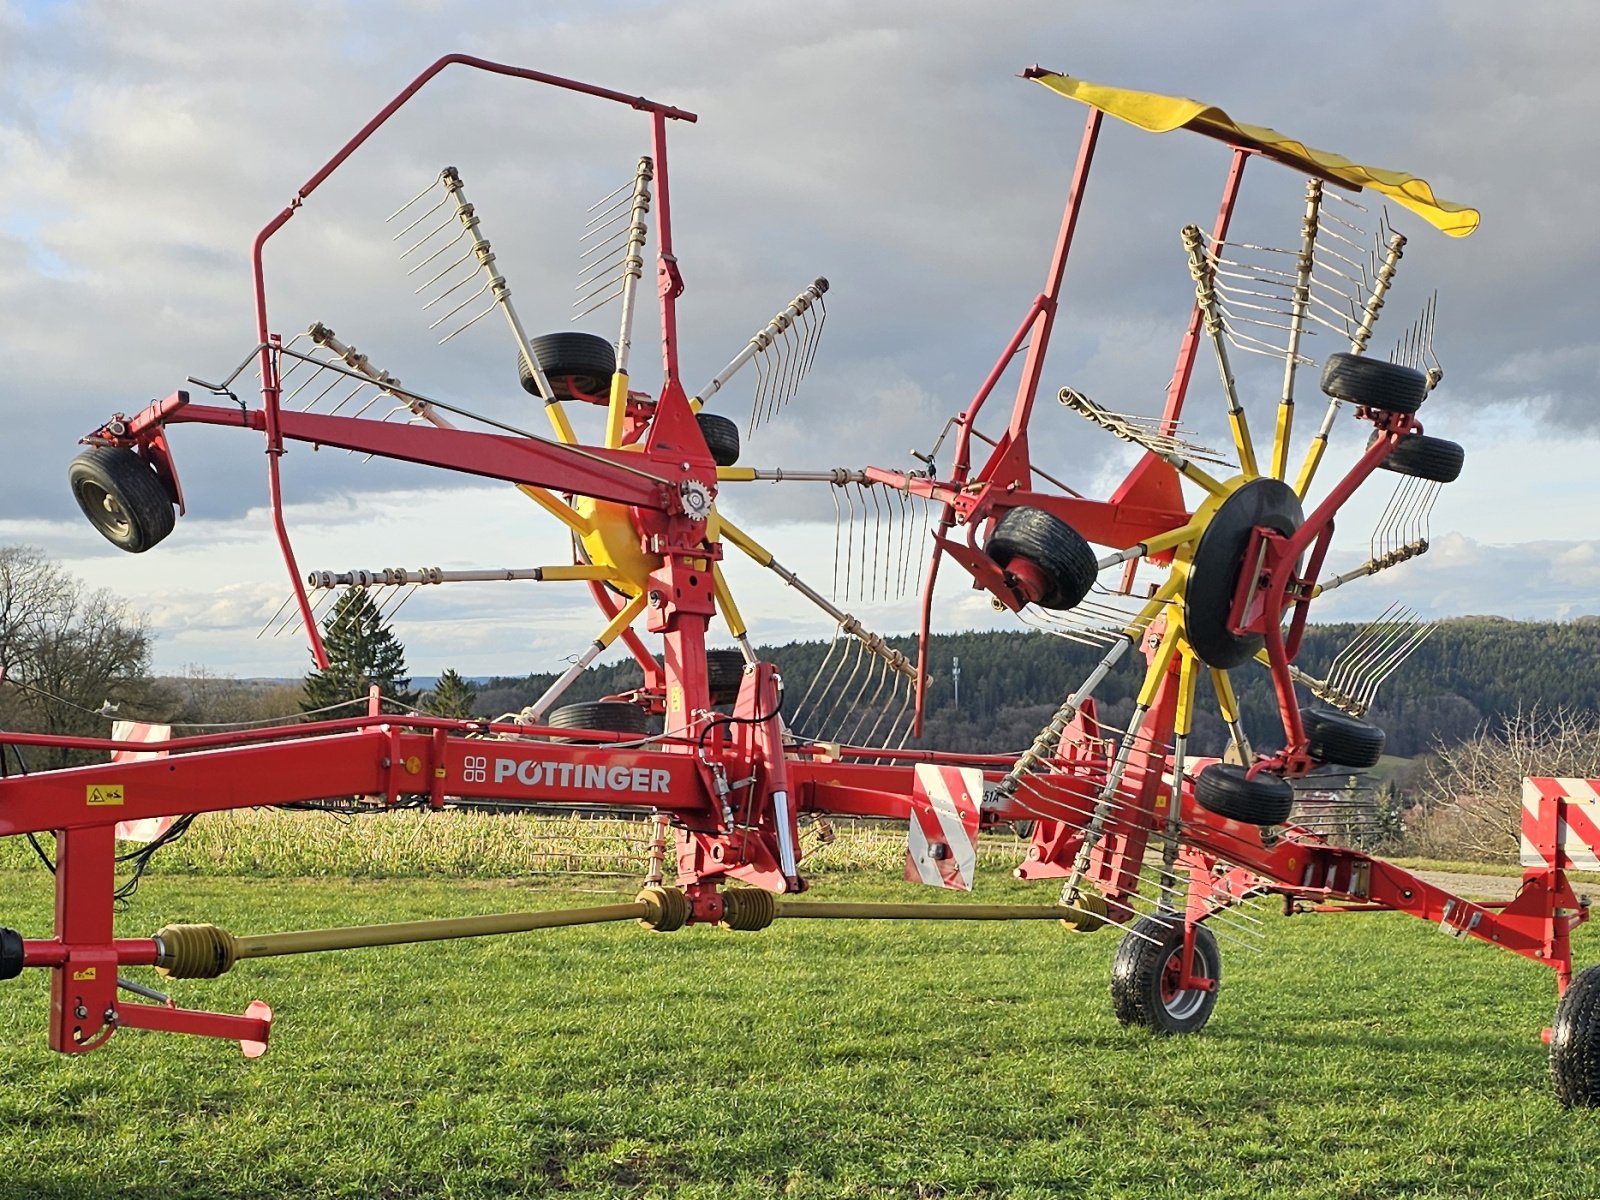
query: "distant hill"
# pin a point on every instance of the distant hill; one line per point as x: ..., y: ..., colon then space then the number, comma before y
x: 1472, y: 671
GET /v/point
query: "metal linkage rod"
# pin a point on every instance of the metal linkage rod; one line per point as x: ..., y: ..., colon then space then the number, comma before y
x: 1300, y: 299
x: 867, y: 911
x: 1162, y: 446
x: 771, y: 394
x: 848, y: 623
x: 496, y: 284
x: 1372, y: 566
x: 1202, y: 272
x: 534, y: 713
x: 206, y: 951
x: 401, y: 576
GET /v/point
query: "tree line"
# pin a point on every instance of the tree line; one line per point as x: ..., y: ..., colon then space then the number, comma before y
x: 73, y: 657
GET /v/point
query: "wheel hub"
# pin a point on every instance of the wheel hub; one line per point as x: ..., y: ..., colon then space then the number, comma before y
x: 1218, y: 564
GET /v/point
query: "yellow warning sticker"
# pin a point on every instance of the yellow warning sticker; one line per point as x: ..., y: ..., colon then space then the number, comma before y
x: 104, y: 793
x: 674, y: 699
x: 84, y: 976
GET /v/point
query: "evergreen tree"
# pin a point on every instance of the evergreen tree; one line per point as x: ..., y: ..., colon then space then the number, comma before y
x: 362, y: 650
x: 452, y: 696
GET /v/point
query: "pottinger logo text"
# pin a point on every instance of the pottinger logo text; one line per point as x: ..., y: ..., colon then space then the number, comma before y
x: 593, y: 777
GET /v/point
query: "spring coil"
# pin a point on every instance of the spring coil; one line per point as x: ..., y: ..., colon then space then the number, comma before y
x: 666, y: 908
x: 748, y: 909
x: 195, y: 951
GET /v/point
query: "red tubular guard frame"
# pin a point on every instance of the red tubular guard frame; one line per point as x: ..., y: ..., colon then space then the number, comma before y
x: 671, y: 287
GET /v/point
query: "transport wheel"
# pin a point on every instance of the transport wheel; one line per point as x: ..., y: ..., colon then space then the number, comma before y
x: 613, y: 716
x: 1145, y: 977
x: 1422, y: 457
x: 572, y: 362
x: 1337, y: 737
x: 1228, y: 791
x: 722, y: 437
x: 1575, y: 1043
x: 1373, y: 383
x: 1218, y: 561
x: 724, y: 674
x: 1052, y: 545
x: 122, y: 497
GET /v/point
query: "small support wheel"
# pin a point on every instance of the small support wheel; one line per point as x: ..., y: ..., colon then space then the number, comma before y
x: 1146, y: 977
x: 722, y: 437
x: 611, y: 716
x: 1373, y: 383
x: 1336, y: 737
x: 573, y: 362
x: 122, y: 497
x: 724, y: 675
x: 1575, y: 1043
x: 1436, y: 460
x: 1049, y: 543
x: 1230, y: 791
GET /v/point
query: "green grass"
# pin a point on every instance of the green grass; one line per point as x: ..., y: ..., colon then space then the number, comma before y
x: 1358, y: 1056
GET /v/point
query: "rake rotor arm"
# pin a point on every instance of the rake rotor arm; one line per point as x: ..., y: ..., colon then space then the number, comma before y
x: 610, y: 475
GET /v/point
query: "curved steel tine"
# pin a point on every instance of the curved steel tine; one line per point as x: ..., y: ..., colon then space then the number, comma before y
x: 861, y: 574
x: 865, y: 705
x: 845, y: 696
x: 786, y: 366
x: 897, y: 683
x: 760, y: 360
x: 877, y: 537
x: 427, y: 237
x: 469, y: 324
x: 273, y: 619
x: 800, y: 709
x: 837, y: 522
x: 432, y: 183
x: 422, y: 263
x: 481, y: 290
x: 442, y: 201
x: 850, y: 541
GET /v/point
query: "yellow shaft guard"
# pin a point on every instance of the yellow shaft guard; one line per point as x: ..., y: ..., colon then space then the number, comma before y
x: 616, y: 410
x: 1162, y: 114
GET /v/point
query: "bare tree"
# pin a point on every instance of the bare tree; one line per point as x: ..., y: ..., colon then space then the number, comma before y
x: 67, y: 652
x: 1471, y: 798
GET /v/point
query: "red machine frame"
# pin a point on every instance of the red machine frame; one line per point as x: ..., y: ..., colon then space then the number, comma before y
x: 736, y: 788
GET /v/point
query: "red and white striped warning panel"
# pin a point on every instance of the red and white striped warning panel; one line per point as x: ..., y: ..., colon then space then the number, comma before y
x: 941, y: 848
x: 147, y: 829
x: 1561, y: 823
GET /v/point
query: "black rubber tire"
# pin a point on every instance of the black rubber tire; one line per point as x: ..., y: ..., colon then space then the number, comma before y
x: 1575, y: 1043
x: 571, y: 361
x: 1229, y: 792
x: 1024, y: 829
x: 1218, y: 563
x: 122, y: 497
x: 1373, y: 383
x: 724, y: 674
x: 1422, y: 457
x: 1140, y: 993
x: 722, y: 437
x: 612, y: 716
x: 1054, y: 546
x: 1337, y: 737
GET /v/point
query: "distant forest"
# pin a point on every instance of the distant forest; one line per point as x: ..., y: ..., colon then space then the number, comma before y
x: 1472, y: 673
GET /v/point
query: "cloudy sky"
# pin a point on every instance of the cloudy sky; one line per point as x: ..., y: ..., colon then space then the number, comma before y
x: 887, y: 146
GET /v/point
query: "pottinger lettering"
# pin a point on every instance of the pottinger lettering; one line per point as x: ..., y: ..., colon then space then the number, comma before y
x: 593, y: 777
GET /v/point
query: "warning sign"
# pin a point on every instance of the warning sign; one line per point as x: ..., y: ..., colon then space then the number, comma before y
x: 104, y: 793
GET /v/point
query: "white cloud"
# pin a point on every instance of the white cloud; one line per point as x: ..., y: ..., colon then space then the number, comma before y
x: 886, y: 147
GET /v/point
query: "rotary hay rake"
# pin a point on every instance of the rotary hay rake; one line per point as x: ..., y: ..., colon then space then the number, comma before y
x: 1141, y: 835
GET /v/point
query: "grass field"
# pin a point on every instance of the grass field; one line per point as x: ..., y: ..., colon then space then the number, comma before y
x: 1356, y: 1057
